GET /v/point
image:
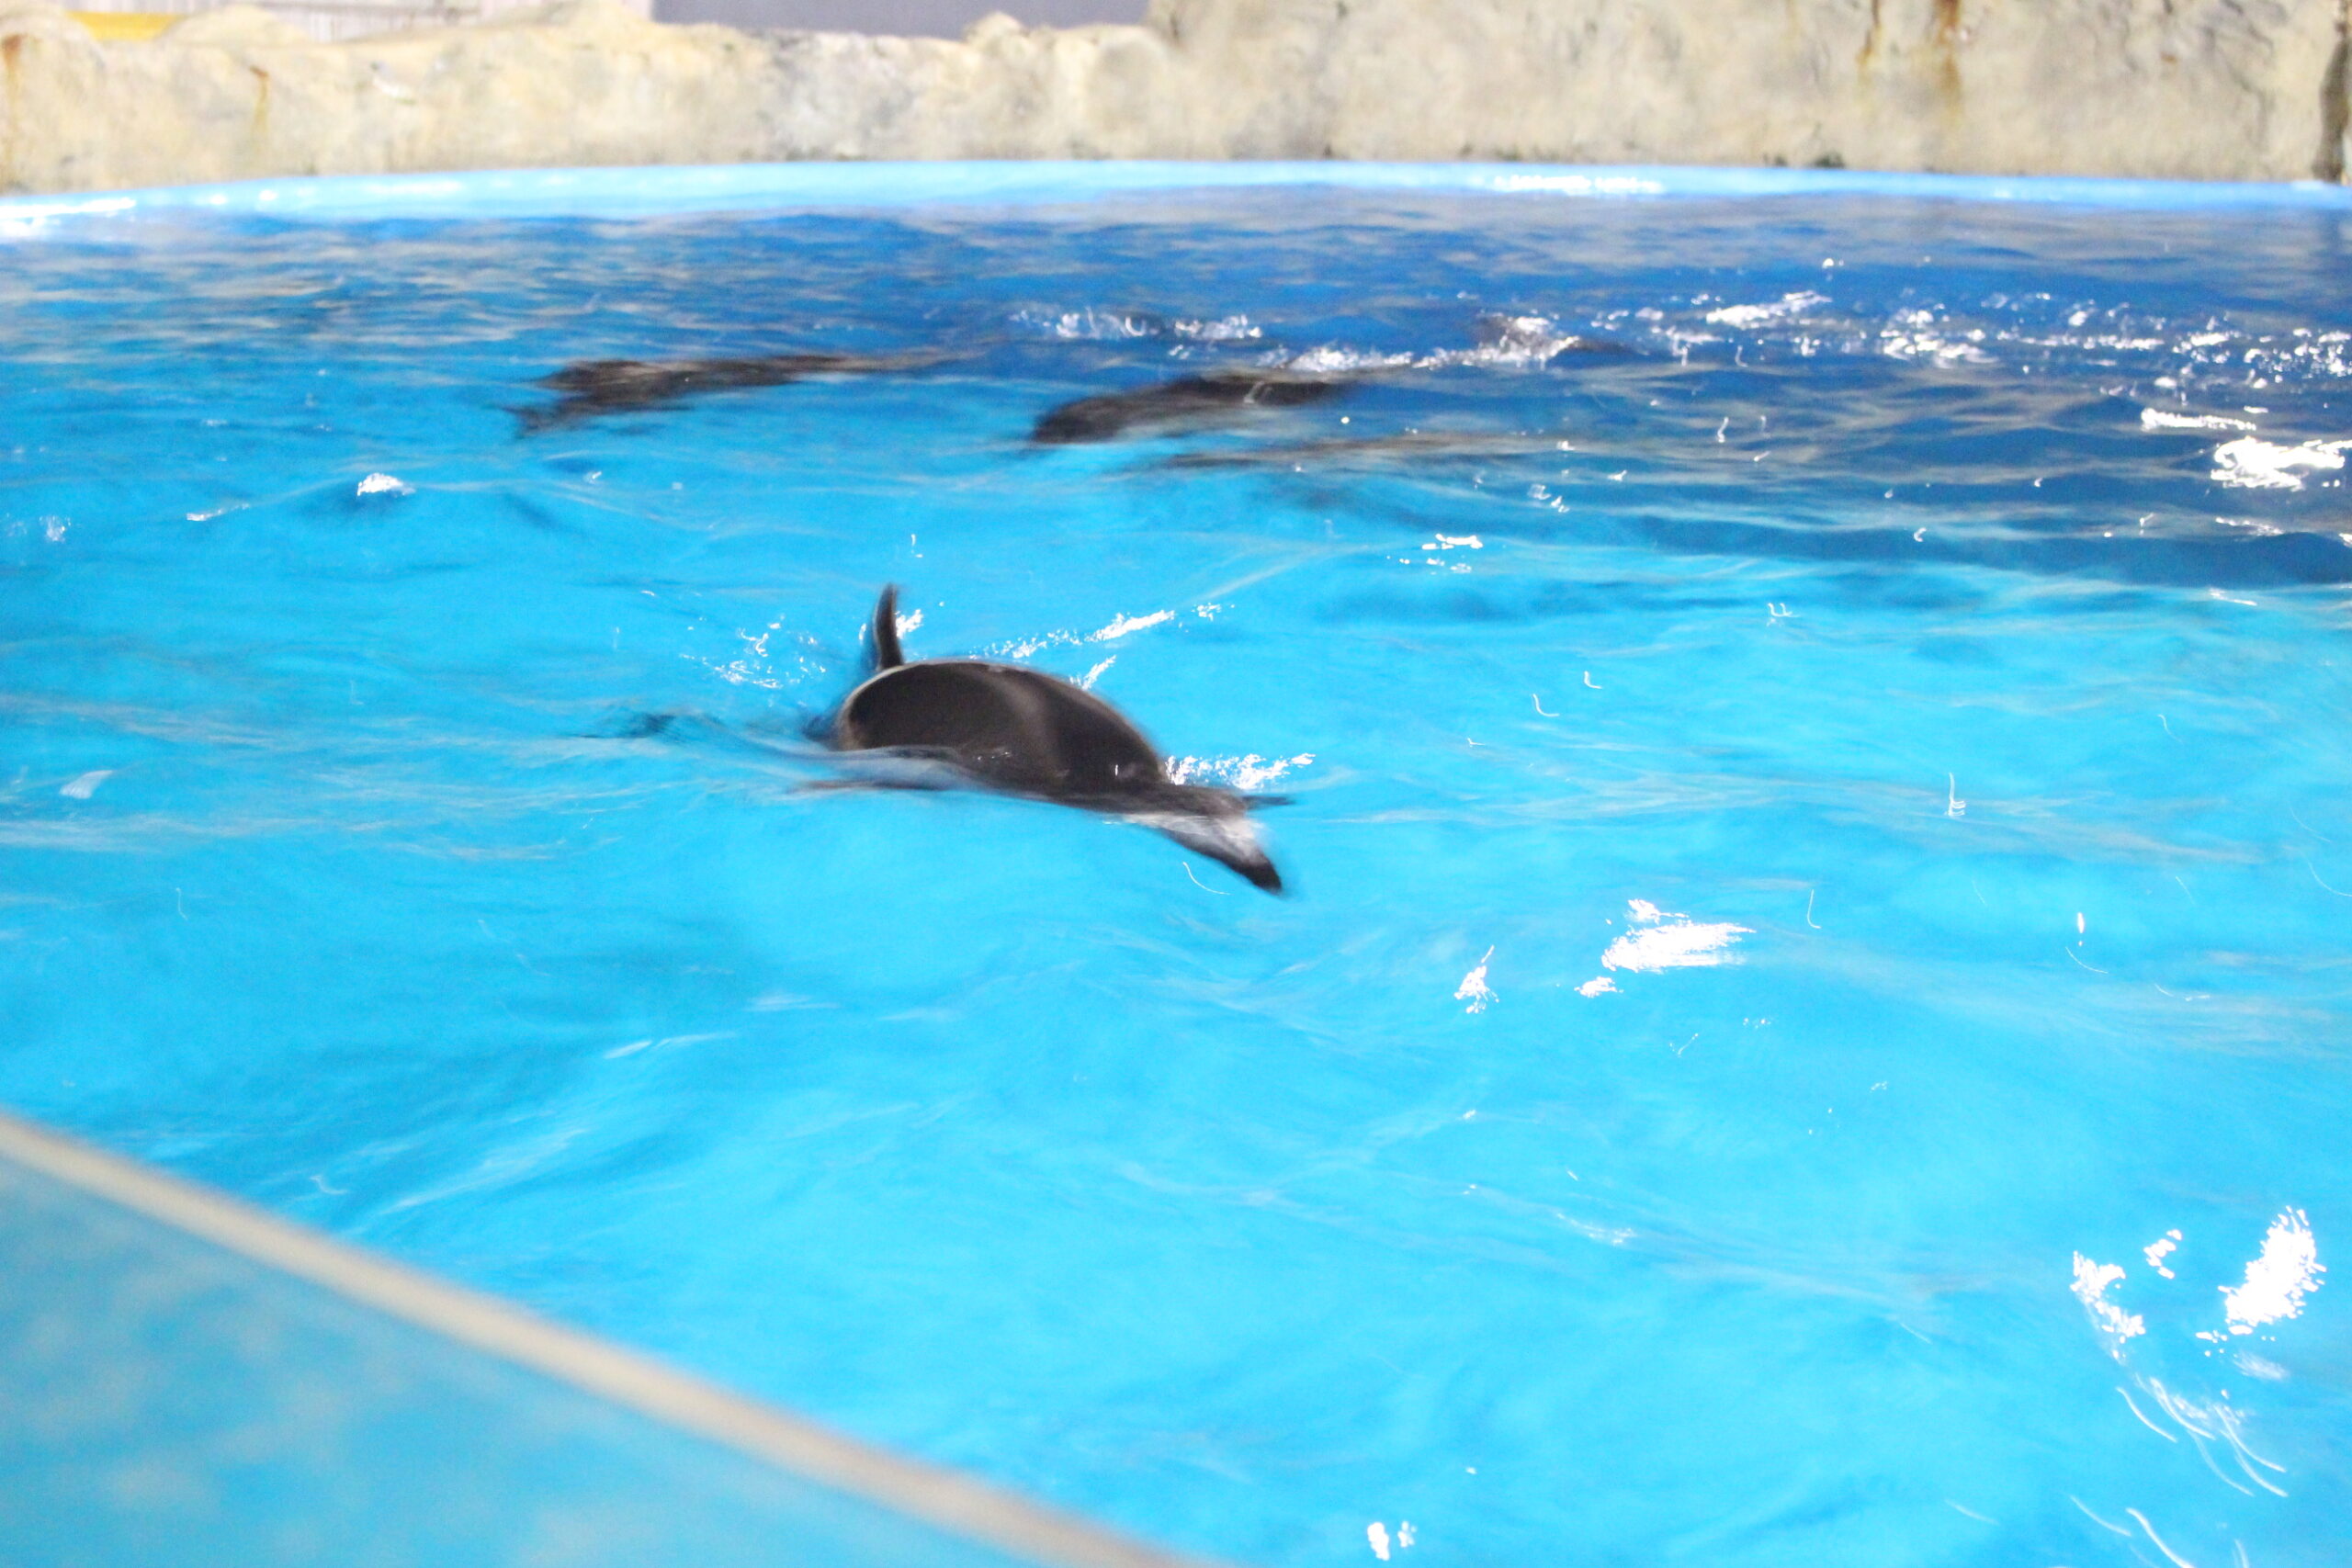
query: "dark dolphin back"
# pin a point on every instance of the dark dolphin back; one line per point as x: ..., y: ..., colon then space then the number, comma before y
x: 1015, y: 728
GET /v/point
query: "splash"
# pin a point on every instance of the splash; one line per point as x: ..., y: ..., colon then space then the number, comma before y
x: 1473, y: 988
x: 1916, y: 338
x: 1122, y: 624
x: 2114, y: 1324
x: 1089, y: 324
x: 2276, y: 1282
x: 1520, y: 340
x: 1785, y: 306
x: 1225, y: 329
x: 1671, y: 941
x: 1236, y: 772
x: 385, y: 484
x: 2157, y: 419
x: 1333, y: 360
x: 2251, y: 463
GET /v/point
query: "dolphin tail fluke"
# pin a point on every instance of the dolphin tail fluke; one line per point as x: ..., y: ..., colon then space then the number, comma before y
x: 887, y: 654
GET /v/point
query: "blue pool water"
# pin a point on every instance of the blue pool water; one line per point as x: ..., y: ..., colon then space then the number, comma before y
x: 1811, y: 1025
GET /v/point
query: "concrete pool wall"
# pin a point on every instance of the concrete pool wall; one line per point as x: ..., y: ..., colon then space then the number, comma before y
x: 2177, y: 89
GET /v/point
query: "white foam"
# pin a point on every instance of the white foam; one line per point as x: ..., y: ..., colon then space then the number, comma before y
x: 1089, y: 324
x: 1378, y: 1534
x: 1236, y: 772
x: 2276, y: 1282
x: 87, y: 785
x: 2251, y: 463
x: 2157, y: 419
x: 1510, y: 339
x: 1786, y: 306
x: 1029, y: 647
x: 1671, y: 941
x: 1225, y: 329
x: 385, y: 484
x: 1473, y: 988
x: 1934, y: 347
x: 1086, y: 681
x: 1122, y: 625
x: 1599, y: 985
x: 2114, y: 1324
x: 1336, y: 361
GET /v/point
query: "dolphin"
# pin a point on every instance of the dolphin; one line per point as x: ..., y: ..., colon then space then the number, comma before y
x: 1021, y: 732
x: 1212, y: 398
x: 595, y: 387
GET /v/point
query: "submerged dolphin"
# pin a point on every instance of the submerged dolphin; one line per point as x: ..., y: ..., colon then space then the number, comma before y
x: 1006, y: 728
x: 1214, y: 399
x: 595, y: 387
x: 1189, y: 402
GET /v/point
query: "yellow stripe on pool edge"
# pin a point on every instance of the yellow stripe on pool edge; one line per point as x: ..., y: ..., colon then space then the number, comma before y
x: 125, y: 27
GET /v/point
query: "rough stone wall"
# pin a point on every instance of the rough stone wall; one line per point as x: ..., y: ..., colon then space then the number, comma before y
x: 2214, y: 89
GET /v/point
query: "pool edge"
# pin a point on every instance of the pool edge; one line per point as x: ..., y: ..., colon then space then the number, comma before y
x: 666, y: 189
x: 944, y: 1499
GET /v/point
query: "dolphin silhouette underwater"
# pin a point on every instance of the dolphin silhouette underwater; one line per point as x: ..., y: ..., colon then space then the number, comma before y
x: 1204, y: 402
x: 592, y: 388
x: 1021, y: 732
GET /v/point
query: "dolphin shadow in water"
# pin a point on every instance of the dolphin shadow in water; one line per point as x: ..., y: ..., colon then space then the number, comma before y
x: 593, y: 387
x: 1410, y: 449
x: 1020, y: 732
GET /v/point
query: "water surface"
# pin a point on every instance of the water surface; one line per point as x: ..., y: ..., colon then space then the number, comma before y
x: 1819, y: 833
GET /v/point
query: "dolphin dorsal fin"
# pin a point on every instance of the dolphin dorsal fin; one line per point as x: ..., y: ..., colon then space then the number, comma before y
x: 887, y: 655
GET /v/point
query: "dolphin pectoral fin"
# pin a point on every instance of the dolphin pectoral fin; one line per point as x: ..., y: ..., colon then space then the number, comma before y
x: 1231, y: 842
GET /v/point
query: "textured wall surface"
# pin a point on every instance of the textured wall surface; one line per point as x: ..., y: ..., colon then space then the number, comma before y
x: 2212, y: 89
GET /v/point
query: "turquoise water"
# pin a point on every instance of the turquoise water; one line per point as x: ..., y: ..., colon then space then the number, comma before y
x: 1815, y: 837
